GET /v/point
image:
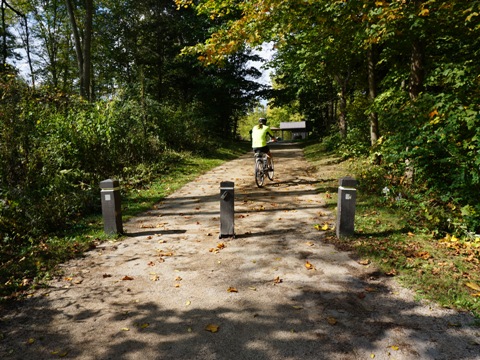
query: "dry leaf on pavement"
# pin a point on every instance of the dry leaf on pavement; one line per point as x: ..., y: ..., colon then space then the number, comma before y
x: 212, y: 328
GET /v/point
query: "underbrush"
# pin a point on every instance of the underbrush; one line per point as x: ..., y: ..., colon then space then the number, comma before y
x: 402, y: 232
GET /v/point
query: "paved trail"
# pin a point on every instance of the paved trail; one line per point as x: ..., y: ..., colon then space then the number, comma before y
x: 173, y: 290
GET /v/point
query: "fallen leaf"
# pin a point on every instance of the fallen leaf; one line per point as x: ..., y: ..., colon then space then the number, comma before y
x: 220, y: 246
x: 59, y: 353
x: 177, y: 285
x: 309, y: 243
x: 277, y: 280
x: 296, y: 307
x: 252, y: 288
x: 187, y: 303
x: 309, y: 266
x: 364, y: 262
x: 473, y: 286
x: 125, y: 329
x: 107, y: 275
x: 372, y: 356
x: 394, y: 347
x: 30, y: 341
x: 232, y: 289
x: 125, y: 278
x: 212, y: 328
x: 423, y: 254
x: 154, y: 278
x: 151, y: 263
x: 392, y: 272
x: 331, y: 320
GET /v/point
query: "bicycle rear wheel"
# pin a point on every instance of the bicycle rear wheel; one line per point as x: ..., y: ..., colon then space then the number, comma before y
x: 270, y: 170
x: 259, y: 174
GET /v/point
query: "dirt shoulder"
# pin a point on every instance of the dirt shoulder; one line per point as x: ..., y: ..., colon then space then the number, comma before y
x: 173, y: 290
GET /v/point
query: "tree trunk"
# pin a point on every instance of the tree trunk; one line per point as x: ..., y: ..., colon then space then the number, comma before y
x: 4, y: 37
x: 87, y: 47
x: 83, y: 52
x: 416, y: 61
x: 342, y: 116
x: 372, y: 94
x: 416, y: 69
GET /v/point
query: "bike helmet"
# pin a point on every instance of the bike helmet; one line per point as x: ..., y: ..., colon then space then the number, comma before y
x: 262, y: 121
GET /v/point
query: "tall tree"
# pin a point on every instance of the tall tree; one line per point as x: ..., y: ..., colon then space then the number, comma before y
x: 83, y: 45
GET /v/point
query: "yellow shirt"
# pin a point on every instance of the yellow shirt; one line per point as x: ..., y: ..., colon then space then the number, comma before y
x: 259, y: 136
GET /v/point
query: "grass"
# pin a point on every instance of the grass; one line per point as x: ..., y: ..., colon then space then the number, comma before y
x: 39, y: 262
x: 445, y: 270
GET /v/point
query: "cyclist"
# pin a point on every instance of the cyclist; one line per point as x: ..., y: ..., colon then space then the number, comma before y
x: 259, y: 138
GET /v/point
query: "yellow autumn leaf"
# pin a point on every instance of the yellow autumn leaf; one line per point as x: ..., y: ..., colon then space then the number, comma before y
x: 187, y: 303
x: 125, y: 329
x: 232, y: 289
x: 331, y: 320
x: 424, y: 12
x: 30, y: 341
x: 394, y: 347
x: 59, y: 353
x: 212, y: 328
x: 309, y: 266
x: 473, y: 286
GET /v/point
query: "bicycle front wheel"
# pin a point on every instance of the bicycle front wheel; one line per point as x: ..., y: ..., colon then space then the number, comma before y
x: 259, y: 174
x: 270, y: 170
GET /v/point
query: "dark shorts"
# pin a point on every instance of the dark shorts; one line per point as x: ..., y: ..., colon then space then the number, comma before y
x: 264, y: 149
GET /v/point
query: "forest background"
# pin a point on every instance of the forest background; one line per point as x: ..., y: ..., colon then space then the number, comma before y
x: 131, y: 89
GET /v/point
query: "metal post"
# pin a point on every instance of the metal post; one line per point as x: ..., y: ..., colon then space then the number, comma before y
x: 227, y: 203
x: 111, y: 206
x: 347, y: 196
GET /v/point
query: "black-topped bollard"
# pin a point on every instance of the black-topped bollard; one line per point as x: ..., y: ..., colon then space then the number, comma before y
x: 347, y: 196
x: 227, y: 205
x: 111, y: 206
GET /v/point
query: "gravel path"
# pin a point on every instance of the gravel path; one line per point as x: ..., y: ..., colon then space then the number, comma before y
x: 173, y: 290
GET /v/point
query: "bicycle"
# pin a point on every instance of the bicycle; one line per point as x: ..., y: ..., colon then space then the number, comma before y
x: 262, y: 167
